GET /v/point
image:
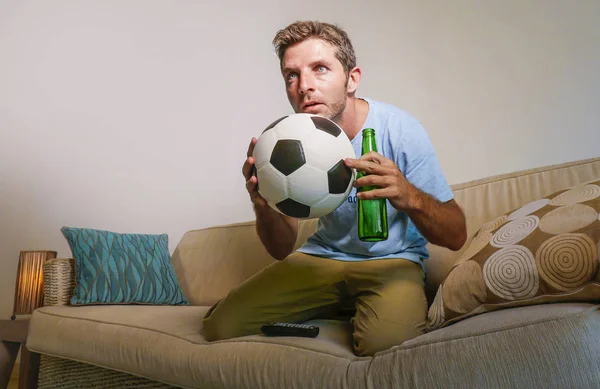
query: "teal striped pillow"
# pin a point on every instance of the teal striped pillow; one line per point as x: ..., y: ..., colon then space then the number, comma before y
x: 113, y: 268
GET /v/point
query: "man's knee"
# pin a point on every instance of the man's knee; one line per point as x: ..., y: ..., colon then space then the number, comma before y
x: 216, y: 330
x: 221, y: 323
x: 383, y: 337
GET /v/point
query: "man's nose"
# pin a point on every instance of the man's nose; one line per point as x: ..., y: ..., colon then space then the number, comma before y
x: 306, y: 84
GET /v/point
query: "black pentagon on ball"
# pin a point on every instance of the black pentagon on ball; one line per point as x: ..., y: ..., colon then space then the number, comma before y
x: 287, y: 156
x: 339, y: 178
x: 274, y: 123
x: 293, y: 208
x: 326, y: 125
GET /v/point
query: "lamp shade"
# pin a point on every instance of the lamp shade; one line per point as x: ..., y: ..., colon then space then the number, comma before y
x: 29, y: 289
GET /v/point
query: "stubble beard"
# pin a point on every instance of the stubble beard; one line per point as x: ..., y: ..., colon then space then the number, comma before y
x: 335, y: 113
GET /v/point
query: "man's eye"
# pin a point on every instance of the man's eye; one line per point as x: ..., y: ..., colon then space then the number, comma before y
x: 291, y: 76
x: 321, y: 68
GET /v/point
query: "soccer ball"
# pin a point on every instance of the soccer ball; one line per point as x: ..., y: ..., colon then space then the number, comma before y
x: 299, y: 162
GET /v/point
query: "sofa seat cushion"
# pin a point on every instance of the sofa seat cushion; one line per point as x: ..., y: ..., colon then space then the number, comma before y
x: 538, y: 346
x: 165, y: 343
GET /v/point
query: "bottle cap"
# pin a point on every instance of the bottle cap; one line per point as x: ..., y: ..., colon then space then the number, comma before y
x: 368, y: 131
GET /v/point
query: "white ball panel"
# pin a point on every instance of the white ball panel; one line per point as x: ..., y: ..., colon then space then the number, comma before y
x: 323, y: 150
x: 308, y: 185
x: 272, y: 184
x: 327, y: 205
x: 264, y: 148
x: 294, y: 127
x: 345, y: 146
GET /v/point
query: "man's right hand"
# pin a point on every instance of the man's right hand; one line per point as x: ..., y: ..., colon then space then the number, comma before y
x: 251, y: 179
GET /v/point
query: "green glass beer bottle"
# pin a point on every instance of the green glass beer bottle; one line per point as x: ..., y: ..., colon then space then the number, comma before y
x: 372, y: 214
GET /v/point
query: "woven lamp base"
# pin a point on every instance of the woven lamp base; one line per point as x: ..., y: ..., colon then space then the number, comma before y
x: 59, y: 274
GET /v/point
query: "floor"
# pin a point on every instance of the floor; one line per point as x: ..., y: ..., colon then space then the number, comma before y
x: 13, y: 384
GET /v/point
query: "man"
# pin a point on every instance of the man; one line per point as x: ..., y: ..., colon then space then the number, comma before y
x: 385, y: 280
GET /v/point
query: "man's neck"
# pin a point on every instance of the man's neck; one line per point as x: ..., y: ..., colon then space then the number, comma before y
x: 354, y: 116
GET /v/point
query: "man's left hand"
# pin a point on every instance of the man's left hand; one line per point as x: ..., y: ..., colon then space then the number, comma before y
x: 384, y: 174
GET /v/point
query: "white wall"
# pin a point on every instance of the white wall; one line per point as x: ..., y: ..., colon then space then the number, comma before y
x: 135, y: 116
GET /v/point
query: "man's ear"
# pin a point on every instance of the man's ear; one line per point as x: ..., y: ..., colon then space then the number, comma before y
x: 354, y: 79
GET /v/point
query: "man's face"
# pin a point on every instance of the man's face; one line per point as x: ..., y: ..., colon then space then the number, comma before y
x: 315, y: 79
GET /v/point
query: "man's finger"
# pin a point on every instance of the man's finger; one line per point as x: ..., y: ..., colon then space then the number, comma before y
x: 251, y: 147
x: 248, y: 167
x: 374, y: 194
x: 251, y: 183
x: 367, y: 166
x: 252, y: 187
x: 376, y: 157
x: 372, y: 180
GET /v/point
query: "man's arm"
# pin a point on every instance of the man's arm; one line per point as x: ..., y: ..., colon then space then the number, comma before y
x: 277, y: 232
x: 442, y: 224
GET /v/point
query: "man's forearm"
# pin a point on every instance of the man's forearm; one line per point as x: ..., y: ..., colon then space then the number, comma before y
x: 442, y: 224
x: 277, y: 232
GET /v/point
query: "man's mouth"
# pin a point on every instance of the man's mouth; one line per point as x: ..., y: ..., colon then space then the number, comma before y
x: 310, y: 104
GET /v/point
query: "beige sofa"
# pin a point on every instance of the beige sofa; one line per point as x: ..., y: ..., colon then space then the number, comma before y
x: 541, y: 346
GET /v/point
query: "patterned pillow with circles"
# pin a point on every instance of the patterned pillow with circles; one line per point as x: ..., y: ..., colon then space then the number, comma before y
x: 544, y: 252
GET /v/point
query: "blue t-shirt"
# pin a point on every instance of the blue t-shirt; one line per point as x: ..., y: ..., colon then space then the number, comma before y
x: 401, y: 138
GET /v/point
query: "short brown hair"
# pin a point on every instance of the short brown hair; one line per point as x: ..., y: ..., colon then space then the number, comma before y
x: 332, y: 34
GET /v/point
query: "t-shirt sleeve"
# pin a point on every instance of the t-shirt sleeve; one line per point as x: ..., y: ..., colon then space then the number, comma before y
x: 419, y: 163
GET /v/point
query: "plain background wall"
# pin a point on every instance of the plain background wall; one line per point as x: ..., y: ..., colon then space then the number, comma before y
x: 135, y: 116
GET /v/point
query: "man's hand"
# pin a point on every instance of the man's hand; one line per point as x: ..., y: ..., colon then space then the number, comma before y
x: 384, y: 174
x: 442, y: 224
x: 251, y: 179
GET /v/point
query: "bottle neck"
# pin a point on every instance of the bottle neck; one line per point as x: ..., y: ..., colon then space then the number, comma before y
x: 368, y: 141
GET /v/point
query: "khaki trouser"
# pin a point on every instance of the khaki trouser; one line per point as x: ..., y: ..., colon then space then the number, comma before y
x: 389, y: 297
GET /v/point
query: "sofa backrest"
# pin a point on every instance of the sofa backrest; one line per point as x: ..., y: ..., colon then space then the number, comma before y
x: 211, y: 261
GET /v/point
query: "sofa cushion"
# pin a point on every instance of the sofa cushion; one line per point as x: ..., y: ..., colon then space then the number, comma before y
x: 114, y: 268
x: 165, y: 343
x: 541, y: 346
x: 545, y: 251
x: 550, y: 345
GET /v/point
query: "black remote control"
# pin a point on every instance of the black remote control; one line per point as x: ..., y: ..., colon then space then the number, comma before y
x: 290, y: 329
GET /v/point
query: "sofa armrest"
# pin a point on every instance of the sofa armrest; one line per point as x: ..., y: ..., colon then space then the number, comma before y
x: 59, y: 281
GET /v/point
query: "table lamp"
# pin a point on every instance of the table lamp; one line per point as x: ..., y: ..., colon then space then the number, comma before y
x: 29, y: 289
